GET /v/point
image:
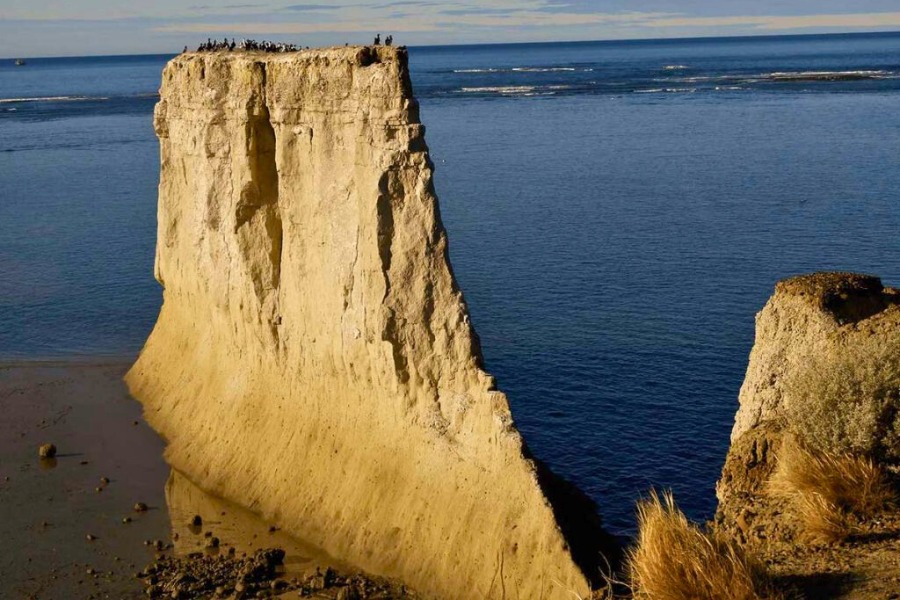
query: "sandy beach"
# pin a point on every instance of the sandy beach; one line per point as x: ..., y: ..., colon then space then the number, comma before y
x: 49, y: 507
x: 68, y: 533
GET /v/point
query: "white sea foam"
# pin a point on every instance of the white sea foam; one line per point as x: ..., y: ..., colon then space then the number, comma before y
x: 542, y: 69
x: 51, y: 99
x: 826, y: 75
x: 475, y: 70
x: 667, y: 91
x: 674, y: 67
x: 503, y: 89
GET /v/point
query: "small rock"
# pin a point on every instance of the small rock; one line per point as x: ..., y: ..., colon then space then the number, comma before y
x: 90, y: 537
x: 47, y: 451
x: 140, y: 507
x: 104, y: 480
x: 347, y: 593
x: 126, y: 520
x: 98, y: 489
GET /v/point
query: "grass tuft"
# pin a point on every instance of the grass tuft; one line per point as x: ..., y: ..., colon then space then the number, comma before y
x: 676, y: 560
x: 829, y: 491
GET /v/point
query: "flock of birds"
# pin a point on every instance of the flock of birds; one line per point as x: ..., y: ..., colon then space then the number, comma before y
x: 211, y: 45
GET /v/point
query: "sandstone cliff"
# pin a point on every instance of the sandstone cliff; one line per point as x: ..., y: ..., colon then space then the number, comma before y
x: 825, y: 372
x: 313, y: 359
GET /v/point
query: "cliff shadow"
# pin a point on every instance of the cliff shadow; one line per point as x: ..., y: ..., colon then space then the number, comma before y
x: 597, y: 552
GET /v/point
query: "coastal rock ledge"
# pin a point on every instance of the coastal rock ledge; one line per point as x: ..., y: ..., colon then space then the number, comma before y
x: 313, y: 359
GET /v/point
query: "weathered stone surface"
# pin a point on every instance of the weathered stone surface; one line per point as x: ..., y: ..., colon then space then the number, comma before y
x: 313, y: 359
x: 825, y: 367
x: 826, y: 364
x: 825, y: 370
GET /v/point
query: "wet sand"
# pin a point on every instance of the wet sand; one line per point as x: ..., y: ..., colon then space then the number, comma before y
x: 48, y: 508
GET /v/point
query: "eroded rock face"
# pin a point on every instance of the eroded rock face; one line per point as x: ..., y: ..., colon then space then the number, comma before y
x: 825, y: 367
x: 313, y: 359
x: 826, y: 361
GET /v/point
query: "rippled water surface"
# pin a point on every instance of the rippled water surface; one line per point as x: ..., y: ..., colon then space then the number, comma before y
x: 617, y: 213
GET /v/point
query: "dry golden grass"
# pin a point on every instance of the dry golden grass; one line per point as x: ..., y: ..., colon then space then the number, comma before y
x: 675, y: 560
x: 829, y: 491
x: 822, y: 521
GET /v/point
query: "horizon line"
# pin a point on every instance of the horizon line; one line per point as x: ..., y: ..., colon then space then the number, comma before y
x: 537, y: 43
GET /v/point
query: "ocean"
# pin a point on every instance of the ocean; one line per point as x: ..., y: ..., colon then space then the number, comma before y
x: 617, y: 214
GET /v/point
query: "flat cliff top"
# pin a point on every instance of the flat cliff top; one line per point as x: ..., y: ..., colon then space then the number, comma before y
x: 341, y: 80
x: 358, y: 55
x: 821, y: 285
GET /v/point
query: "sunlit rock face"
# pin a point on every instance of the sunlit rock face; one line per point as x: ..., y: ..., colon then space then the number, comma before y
x: 313, y: 359
x: 824, y: 369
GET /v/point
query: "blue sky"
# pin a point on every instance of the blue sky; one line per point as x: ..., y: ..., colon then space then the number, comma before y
x: 86, y: 27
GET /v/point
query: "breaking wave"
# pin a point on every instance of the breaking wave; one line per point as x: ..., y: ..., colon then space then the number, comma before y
x: 51, y: 99
x: 826, y: 75
x: 527, y: 70
x: 516, y: 90
x: 667, y: 91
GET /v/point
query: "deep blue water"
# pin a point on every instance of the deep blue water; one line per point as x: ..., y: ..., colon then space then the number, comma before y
x: 617, y: 214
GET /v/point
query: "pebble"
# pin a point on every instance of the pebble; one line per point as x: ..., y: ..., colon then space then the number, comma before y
x: 140, y: 507
x: 104, y: 480
x: 47, y: 451
x: 90, y: 537
x: 126, y: 520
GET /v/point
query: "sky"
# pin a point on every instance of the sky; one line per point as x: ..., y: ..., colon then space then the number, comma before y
x: 31, y: 28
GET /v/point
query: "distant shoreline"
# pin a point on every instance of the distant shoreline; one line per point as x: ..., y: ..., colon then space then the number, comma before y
x: 635, y: 41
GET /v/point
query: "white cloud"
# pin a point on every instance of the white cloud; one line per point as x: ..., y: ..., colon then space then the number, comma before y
x: 519, y: 18
x: 774, y: 23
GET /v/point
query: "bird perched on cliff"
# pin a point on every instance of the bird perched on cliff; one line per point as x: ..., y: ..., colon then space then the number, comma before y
x: 389, y: 40
x: 378, y: 40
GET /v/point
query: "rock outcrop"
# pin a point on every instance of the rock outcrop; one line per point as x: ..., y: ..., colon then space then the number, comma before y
x: 825, y: 372
x: 313, y: 359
